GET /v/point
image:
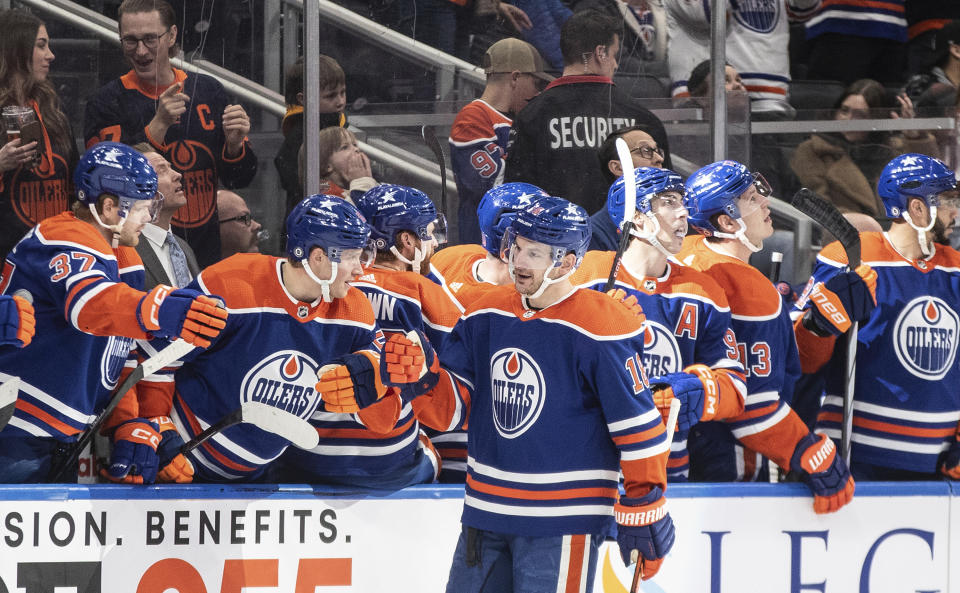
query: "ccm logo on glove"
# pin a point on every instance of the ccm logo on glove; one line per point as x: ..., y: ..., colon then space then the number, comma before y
x: 147, y: 436
x: 158, y: 296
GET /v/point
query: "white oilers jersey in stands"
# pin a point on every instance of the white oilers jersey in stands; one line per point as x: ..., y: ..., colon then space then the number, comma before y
x: 688, y: 322
x: 85, y: 296
x: 269, y: 352
x: 907, y: 403
x: 556, y: 410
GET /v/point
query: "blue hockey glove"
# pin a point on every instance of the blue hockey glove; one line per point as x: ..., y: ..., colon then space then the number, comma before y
x: 181, y: 313
x: 845, y: 297
x: 644, y: 525
x: 950, y: 466
x: 17, y: 324
x: 815, y: 459
x: 134, y: 456
x: 697, y: 391
x: 174, y: 466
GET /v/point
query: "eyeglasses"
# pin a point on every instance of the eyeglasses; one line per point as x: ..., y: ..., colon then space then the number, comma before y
x: 150, y: 41
x: 646, y: 151
x: 244, y: 219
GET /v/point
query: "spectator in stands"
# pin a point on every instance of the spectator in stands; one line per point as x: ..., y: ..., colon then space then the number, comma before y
x: 34, y: 174
x: 332, y: 99
x: 851, y: 39
x: 558, y: 132
x: 757, y: 39
x: 844, y: 167
x: 645, y: 153
x: 343, y: 167
x: 924, y: 19
x: 167, y: 259
x: 188, y: 118
x: 478, y: 138
x: 239, y: 232
x: 937, y: 87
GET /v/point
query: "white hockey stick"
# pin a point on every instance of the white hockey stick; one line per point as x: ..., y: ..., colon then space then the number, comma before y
x: 283, y: 424
x: 635, y: 555
x: 629, y: 208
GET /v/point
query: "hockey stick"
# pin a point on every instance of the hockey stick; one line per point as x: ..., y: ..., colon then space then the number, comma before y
x: 430, y: 138
x: 827, y: 216
x: 629, y: 209
x: 635, y: 555
x: 10, y: 389
x: 283, y: 424
x: 174, y: 351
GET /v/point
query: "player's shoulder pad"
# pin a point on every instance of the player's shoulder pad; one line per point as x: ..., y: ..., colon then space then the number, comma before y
x: 457, y: 257
x: 128, y: 258
x: 594, y: 267
x: 67, y: 230
x: 354, y: 307
x: 686, y: 280
x: 596, y: 314
x: 501, y: 298
x: 245, y: 280
x: 946, y: 257
x: 749, y: 293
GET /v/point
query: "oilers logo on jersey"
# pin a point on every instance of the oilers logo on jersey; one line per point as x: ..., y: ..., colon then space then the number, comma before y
x: 661, y: 353
x: 113, y: 359
x: 758, y: 15
x: 924, y: 337
x: 283, y: 380
x: 518, y: 391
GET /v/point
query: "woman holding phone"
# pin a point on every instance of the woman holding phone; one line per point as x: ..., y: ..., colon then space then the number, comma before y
x: 38, y: 150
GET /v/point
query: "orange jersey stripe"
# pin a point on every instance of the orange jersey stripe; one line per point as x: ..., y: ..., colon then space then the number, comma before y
x: 640, y: 437
x: 566, y: 494
x: 47, y: 419
x: 362, y: 433
x: 578, y: 545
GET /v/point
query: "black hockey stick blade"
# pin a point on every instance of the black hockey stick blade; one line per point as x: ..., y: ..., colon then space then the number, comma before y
x: 430, y: 139
x: 174, y: 351
x: 827, y: 216
x: 8, y: 399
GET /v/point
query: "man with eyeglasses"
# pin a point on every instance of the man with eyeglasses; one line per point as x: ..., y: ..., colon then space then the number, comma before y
x: 187, y: 118
x: 481, y: 130
x: 239, y: 232
x: 557, y: 134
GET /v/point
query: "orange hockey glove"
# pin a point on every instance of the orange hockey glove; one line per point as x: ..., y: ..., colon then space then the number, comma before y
x: 628, y: 301
x: 181, y: 313
x: 844, y: 298
x: 815, y: 459
x: 17, y: 323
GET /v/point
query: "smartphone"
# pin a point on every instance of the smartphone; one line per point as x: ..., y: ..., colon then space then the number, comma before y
x: 30, y: 132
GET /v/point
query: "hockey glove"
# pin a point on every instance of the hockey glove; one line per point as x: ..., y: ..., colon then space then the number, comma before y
x: 815, y: 459
x: 644, y: 525
x: 410, y: 363
x: 134, y: 456
x: 17, y: 324
x: 842, y: 299
x: 950, y: 466
x: 697, y: 390
x: 628, y: 301
x: 350, y: 383
x: 174, y: 466
x: 181, y: 313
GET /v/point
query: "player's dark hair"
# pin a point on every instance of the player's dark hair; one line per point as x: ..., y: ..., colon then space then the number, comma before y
x: 584, y: 31
x: 608, y: 150
x: 167, y: 16
x: 17, y: 84
x: 331, y: 76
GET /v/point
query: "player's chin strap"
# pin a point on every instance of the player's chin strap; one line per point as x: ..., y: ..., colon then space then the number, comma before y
x: 740, y: 235
x: 115, y: 228
x: 417, y: 257
x: 651, y: 238
x: 324, y: 284
x: 544, y: 284
x: 926, y: 247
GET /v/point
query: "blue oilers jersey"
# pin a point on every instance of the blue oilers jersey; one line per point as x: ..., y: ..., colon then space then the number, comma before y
x: 85, y: 297
x: 906, y: 402
x: 478, y: 148
x: 269, y: 352
x: 559, y: 403
x: 768, y: 352
x: 688, y: 322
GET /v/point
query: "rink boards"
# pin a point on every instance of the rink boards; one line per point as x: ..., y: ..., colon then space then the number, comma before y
x: 298, y: 539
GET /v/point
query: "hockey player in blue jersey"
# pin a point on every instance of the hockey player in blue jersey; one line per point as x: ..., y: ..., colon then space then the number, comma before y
x: 906, y: 410
x: 553, y: 412
x: 729, y: 207
x: 405, y: 231
x: 85, y: 278
x: 289, y: 317
x: 17, y: 323
x: 690, y: 352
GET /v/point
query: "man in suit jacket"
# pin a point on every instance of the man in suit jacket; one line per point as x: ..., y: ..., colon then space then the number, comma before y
x: 167, y: 259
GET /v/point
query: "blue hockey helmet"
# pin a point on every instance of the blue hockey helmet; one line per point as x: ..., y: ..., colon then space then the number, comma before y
x: 329, y: 222
x: 393, y: 208
x: 556, y: 222
x: 499, y: 206
x: 650, y: 182
x: 116, y: 169
x: 713, y: 190
x: 913, y: 175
